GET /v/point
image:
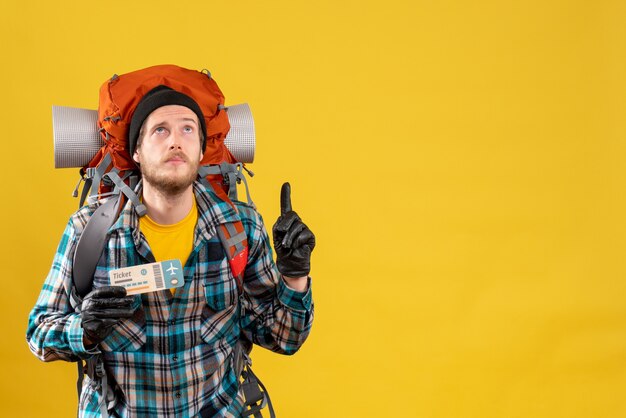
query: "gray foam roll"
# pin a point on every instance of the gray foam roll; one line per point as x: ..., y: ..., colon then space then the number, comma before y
x: 241, y: 139
x: 76, y: 137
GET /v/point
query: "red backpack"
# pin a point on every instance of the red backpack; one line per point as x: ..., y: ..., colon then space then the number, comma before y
x: 119, y: 97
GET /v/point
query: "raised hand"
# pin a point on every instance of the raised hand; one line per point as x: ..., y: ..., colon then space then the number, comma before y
x: 293, y: 240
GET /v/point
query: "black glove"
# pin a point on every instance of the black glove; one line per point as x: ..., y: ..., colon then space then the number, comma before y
x: 102, y: 308
x: 293, y: 240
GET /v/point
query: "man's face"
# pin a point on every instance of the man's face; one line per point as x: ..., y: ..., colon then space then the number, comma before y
x: 169, y: 152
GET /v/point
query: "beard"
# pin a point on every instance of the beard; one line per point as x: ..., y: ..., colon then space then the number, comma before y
x: 166, y: 183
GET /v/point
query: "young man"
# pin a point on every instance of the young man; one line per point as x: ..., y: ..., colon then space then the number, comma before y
x: 173, y: 353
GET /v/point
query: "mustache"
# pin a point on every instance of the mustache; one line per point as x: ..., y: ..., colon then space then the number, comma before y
x: 176, y: 154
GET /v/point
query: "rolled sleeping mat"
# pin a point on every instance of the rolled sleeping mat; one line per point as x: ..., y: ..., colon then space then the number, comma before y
x: 76, y: 136
x: 241, y: 138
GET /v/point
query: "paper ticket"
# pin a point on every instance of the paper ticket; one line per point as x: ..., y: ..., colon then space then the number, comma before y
x: 148, y: 277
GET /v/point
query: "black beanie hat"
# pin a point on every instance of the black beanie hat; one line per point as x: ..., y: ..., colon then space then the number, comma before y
x: 158, y: 97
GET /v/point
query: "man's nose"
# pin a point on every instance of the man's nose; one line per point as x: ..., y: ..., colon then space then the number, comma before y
x: 175, y: 140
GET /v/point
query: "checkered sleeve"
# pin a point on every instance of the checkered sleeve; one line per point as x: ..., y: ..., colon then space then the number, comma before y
x: 275, y: 316
x: 54, y: 329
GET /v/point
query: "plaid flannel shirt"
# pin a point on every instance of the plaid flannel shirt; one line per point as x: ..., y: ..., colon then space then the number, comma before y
x: 174, y: 357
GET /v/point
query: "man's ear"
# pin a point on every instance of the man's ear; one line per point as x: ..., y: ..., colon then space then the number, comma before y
x: 136, y: 157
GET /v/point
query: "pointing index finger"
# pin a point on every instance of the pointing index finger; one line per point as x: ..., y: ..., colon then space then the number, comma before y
x: 285, y: 198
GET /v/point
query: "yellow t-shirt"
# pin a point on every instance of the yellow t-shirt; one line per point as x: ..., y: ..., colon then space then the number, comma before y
x: 168, y: 242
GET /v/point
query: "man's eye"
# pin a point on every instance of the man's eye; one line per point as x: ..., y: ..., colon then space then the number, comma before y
x: 159, y: 130
x: 188, y: 129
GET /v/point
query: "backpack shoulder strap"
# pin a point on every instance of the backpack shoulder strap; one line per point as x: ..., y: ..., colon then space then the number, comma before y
x: 90, y: 245
x: 235, y: 243
x: 232, y: 235
x: 88, y: 251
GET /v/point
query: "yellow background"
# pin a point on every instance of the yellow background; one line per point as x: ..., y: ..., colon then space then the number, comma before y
x: 461, y: 163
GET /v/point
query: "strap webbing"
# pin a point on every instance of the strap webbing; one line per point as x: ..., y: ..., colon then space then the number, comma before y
x: 140, y: 208
x: 96, y: 372
x: 255, y: 395
x: 86, y: 188
x: 104, y: 388
x: 81, y: 376
x: 205, y: 170
x: 232, y: 174
x: 90, y: 245
x: 97, y: 174
x: 236, y: 239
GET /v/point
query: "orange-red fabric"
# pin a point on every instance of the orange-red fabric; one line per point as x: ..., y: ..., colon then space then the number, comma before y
x: 120, y: 95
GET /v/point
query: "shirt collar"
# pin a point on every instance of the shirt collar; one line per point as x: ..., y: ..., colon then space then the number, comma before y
x: 212, y: 211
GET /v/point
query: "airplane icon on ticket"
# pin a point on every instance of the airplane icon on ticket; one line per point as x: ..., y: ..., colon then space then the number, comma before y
x: 172, y: 270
